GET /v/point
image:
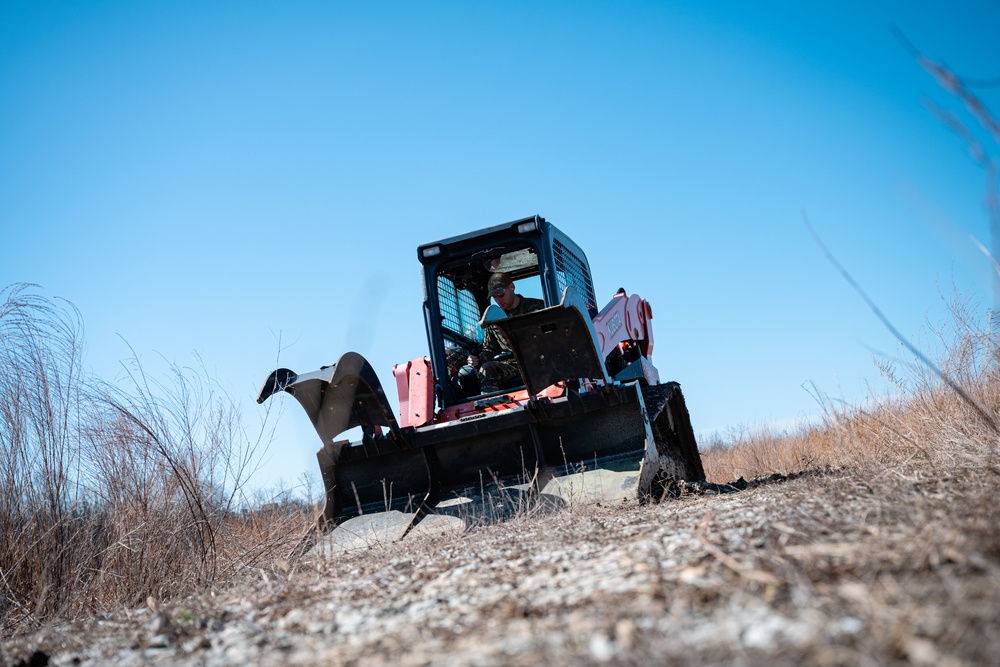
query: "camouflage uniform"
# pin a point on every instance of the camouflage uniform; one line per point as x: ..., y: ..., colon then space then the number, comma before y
x: 493, y: 375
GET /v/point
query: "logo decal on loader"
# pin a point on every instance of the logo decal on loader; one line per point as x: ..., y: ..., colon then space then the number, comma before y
x: 614, y: 324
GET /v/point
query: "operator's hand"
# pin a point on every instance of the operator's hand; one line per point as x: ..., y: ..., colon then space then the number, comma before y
x: 473, y: 360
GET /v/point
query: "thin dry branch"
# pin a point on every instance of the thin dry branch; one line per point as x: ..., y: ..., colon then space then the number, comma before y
x: 988, y: 416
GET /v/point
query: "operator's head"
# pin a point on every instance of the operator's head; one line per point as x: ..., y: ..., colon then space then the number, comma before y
x: 501, y: 288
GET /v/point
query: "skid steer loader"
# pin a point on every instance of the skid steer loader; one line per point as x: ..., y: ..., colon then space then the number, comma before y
x: 586, y: 420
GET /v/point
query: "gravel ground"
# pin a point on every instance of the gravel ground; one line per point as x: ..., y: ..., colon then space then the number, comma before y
x: 833, y: 567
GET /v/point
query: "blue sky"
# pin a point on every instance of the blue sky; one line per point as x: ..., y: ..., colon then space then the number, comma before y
x: 202, y: 179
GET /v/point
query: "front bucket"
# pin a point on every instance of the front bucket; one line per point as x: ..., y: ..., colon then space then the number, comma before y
x: 618, y: 444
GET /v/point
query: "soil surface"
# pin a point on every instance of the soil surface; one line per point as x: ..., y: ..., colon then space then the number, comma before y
x: 899, y: 565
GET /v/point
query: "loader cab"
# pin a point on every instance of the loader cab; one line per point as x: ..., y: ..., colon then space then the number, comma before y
x: 541, y: 261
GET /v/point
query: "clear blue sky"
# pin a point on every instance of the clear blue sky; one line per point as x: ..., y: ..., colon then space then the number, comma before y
x: 200, y: 178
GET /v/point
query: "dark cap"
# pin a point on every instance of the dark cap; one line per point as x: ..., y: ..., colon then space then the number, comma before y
x: 498, y: 283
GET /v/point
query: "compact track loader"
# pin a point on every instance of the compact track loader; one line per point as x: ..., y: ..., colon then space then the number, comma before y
x: 587, y: 420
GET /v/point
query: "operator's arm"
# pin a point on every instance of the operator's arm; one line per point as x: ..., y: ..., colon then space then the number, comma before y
x: 492, y: 345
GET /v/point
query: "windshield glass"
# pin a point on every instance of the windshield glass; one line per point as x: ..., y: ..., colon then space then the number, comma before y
x: 463, y: 295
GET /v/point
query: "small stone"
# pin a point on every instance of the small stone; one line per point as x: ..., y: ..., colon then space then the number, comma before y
x: 159, y: 624
x: 292, y: 619
x: 625, y: 633
x: 320, y: 628
x: 922, y: 651
x: 198, y: 643
x: 160, y: 641
x: 850, y: 625
x: 762, y: 634
x: 601, y: 649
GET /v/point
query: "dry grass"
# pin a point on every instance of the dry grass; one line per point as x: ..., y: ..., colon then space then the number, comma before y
x: 113, y: 494
x: 923, y: 421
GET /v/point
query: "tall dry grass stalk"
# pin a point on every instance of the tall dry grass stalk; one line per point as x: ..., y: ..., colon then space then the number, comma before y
x: 112, y: 494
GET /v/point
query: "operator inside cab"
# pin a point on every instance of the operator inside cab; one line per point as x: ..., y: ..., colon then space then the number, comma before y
x: 494, y: 368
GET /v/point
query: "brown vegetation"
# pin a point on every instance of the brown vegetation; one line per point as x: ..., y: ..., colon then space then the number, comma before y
x: 892, y: 430
x: 109, y: 495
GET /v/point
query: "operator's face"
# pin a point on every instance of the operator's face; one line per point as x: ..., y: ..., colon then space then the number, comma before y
x: 505, y: 300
